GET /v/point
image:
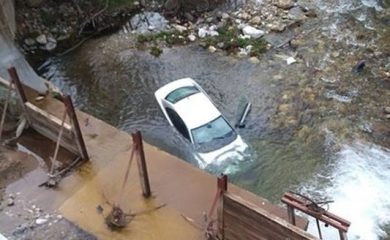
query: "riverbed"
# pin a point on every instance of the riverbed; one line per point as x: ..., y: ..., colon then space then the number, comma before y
x: 316, y: 126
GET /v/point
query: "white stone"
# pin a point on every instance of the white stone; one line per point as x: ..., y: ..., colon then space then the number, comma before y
x: 253, y: 32
x: 50, y: 46
x: 241, y: 25
x: 244, y: 36
x: 290, y: 60
x: 40, y: 221
x: 51, y: 39
x: 212, y: 49
x: 242, y: 53
x: 202, y: 33
x: 41, y: 39
x: 29, y: 41
x: 255, y: 20
x: 191, y: 37
x: 225, y: 15
x: 254, y: 60
x: 179, y: 28
x: 213, y: 33
x: 285, y: 4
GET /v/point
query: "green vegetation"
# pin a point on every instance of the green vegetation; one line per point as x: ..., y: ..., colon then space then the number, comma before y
x: 156, y: 51
x: 230, y: 37
x: 49, y: 19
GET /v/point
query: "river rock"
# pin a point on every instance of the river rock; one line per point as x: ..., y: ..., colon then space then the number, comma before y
x: 387, y: 110
x: 203, y: 32
x: 255, y: 20
x: 41, y: 39
x: 192, y: 37
x: 277, y: 27
x: 29, y: 42
x: 40, y: 221
x: 297, y: 14
x: 179, y: 28
x: 50, y: 46
x: 34, y: 3
x: 212, y: 49
x: 10, y: 202
x: 142, y: 21
x: 252, y: 32
x: 254, y: 60
x: 285, y: 4
x: 225, y: 16
x: 296, y: 42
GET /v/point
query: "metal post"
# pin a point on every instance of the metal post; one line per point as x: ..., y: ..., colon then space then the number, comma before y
x: 319, y: 228
x: 343, y: 235
x: 75, y: 127
x: 141, y: 163
x: 291, y: 214
x: 223, y: 183
x: 15, y: 78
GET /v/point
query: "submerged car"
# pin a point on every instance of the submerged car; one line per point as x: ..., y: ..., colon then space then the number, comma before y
x: 189, y: 109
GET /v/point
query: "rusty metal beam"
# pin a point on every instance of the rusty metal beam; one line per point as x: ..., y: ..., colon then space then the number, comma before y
x: 326, y: 217
x: 222, y: 183
x: 19, y: 86
x: 141, y: 163
x: 76, y: 127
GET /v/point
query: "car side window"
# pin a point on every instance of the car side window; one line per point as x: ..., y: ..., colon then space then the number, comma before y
x: 178, y: 122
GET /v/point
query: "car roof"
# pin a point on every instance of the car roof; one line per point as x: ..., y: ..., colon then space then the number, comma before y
x: 196, y: 110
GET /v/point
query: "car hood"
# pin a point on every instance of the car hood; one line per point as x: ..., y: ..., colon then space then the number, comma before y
x: 233, y: 151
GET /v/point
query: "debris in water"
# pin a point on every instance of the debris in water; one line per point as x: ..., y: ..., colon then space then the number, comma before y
x: 39, y: 98
x: 117, y: 219
x: 290, y: 60
x: 99, y: 209
x: 359, y: 67
x: 10, y: 202
x: 40, y: 221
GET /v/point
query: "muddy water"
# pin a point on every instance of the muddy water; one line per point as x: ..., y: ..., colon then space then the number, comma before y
x: 316, y: 126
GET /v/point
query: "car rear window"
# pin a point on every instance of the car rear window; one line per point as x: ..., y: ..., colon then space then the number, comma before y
x: 181, y: 93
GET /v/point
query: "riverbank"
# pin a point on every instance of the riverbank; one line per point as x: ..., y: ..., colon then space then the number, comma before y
x: 47, y: 28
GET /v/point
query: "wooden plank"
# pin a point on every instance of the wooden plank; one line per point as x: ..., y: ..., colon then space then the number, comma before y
x: 243, y: 220
x: 48, y: 125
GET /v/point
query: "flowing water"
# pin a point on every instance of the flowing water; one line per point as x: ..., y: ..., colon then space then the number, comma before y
x: 316, y: 126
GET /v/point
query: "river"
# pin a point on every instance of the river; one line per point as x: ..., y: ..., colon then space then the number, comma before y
x: 313, y: 127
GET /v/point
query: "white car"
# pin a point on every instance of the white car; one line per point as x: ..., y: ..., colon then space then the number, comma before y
x: 188, y: 108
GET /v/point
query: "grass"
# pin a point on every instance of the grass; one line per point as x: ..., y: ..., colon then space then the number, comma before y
x: 156, y: 51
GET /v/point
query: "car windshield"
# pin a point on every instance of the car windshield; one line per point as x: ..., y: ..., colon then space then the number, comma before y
x: 181, y: 93
x: 214, y: 130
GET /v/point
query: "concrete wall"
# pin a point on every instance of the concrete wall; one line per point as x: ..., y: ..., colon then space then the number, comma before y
x: 10, y: 54
x: 7, y: 17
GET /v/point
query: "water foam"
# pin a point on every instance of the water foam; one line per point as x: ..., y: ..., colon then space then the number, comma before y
x: 360, y: 187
